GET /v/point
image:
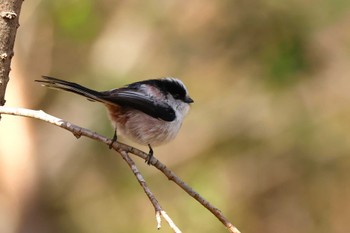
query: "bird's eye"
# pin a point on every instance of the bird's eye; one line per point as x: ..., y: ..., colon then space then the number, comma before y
x: 176, y: 96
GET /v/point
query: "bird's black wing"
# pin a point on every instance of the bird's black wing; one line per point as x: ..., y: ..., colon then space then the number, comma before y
x: 139, y: 101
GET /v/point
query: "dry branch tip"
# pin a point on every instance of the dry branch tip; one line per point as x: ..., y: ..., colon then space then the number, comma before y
x: 158, y: 219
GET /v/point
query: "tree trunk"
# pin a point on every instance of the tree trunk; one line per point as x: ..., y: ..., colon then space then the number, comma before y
x: 9, y: 13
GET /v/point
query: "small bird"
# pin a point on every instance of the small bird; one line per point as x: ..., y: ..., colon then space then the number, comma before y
x: 149, y: 112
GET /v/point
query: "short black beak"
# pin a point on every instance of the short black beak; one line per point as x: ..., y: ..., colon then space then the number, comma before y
x: 188, y: 100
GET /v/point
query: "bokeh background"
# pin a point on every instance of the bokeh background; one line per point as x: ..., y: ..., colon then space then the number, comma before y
x: 267, y: 140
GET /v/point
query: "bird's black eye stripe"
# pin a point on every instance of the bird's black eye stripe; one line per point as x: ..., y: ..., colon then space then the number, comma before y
x: 165, y: 85
x: 173, y: 87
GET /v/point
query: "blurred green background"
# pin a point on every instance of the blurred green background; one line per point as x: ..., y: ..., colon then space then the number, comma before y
x: 267, y: 140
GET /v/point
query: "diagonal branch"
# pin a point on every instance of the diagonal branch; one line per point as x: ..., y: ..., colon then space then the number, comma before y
x: 173, y: 177
x: 124, y: 149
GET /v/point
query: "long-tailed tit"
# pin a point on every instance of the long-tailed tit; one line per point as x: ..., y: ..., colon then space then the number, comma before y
x: 148, y: 112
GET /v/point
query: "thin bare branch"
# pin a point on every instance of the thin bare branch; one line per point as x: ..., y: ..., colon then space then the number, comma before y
x: 120, y: 147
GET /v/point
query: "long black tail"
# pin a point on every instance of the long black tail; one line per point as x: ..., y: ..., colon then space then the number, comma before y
x: 71, y: 87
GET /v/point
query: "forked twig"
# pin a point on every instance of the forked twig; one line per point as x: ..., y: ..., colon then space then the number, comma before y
x: 158, y: 209
x: 124, y: 149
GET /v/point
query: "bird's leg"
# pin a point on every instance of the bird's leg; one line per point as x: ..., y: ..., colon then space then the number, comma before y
x: 114, y: 139
x: 150, y: 155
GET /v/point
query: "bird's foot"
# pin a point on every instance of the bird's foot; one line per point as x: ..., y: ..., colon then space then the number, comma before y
x: 150, y: 155
x: 114, y: 139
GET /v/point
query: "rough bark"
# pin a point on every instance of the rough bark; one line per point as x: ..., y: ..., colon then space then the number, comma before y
x: 9, y: 13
